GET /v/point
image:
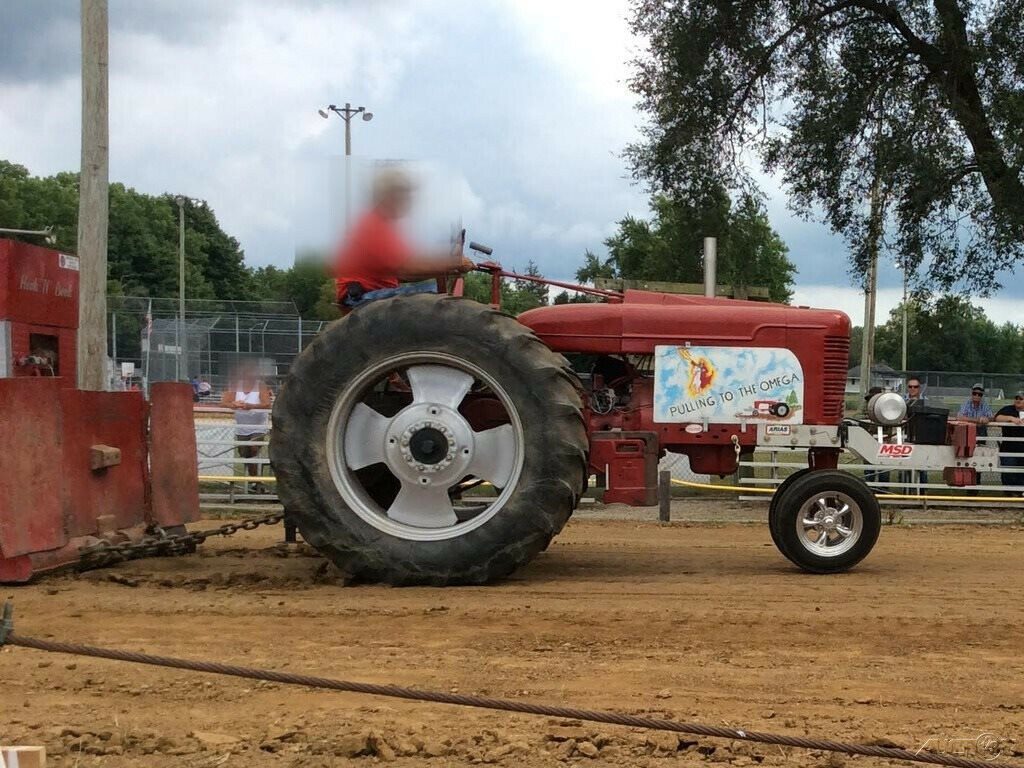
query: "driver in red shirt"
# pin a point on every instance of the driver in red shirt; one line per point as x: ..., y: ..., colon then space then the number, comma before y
x: 375, y: 258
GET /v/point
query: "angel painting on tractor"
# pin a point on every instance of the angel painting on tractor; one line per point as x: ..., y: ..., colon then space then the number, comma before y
x: 426, y: 438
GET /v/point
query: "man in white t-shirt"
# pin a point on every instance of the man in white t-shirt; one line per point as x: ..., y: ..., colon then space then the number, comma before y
x: 249, y: 396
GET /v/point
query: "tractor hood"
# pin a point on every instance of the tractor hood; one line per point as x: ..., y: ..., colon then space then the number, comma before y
x: 644, y: 320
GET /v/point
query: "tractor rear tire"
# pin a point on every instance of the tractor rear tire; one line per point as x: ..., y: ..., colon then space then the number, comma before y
x: 318, y: 442
x: 825, y: 521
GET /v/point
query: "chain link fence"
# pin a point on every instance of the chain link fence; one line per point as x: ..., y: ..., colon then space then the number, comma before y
x: 216, y: 335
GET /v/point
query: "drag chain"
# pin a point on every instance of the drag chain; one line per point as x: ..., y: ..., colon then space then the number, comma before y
x: 161, y: 544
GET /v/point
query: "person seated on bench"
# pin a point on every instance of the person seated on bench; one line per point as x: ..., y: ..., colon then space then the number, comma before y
x: 375, y: 259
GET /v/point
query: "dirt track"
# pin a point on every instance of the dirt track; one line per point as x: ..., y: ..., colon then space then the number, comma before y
x: 700, y: 622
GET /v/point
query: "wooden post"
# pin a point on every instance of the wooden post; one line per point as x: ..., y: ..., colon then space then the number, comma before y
x: 93, y: 201
x: 664, y: 496
x: 23, y: 757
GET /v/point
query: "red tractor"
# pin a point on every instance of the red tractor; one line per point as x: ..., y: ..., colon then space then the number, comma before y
x: 431, y: 439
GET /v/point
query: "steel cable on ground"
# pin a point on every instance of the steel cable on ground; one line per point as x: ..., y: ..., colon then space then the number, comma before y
x: 8, y: 637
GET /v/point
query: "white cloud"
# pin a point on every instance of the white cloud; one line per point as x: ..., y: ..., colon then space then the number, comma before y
x: 516, y: 109
x: 589, y: 42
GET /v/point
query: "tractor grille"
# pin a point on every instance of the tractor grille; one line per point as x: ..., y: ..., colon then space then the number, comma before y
x: 837, y: 355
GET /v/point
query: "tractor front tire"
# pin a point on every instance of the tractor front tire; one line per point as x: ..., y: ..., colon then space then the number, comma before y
x: 773, y: 506
x: 377, y: 489
x: 824, y: 521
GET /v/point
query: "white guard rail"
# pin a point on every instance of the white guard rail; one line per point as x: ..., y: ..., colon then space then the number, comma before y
x: 772, y: 465
x: 223, y: 472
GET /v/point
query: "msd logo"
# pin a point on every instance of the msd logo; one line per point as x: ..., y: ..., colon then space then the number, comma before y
x: 895, y: 451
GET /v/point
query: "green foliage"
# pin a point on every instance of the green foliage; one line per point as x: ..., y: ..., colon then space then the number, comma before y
x: 517, y: 296
x: 142, y: 246
x: 926, y: 97
x: 565, y: 297
x: 29, y: 202
x: 948, y: 334
x: 307, y: 283
x: 857, y: 344
x: 531, y: 294
x: 670, y: 246
x: 593, y: 267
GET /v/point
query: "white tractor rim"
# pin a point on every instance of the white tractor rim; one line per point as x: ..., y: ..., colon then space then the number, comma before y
x: 428, y: 446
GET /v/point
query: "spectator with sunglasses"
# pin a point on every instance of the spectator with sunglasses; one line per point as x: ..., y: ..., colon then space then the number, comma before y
x: 1012, y: 414
x: 914, y: 394
x: 914, y: 397
x: 976, y: 410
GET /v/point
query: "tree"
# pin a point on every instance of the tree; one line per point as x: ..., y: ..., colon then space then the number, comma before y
x: 857, y: 346
x: 306, y: 284
x: 564, y: 297
x: 221, y: 255
x: 594, y: 268
x: 755, y: 254
x: 517, y: 296
x: 30, y: 202
x: 142, y: 246
x: 927, y: 97
x: 947, y: 334
x: 670, y: 246
x: 531, y: 293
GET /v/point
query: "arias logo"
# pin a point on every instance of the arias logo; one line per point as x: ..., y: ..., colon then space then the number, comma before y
x: 895, y: 451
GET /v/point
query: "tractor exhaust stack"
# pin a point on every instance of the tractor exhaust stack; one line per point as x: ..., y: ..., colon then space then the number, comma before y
x: 710, y: 266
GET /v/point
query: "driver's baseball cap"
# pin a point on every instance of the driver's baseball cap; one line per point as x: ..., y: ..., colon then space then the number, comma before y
x: 978, y: 388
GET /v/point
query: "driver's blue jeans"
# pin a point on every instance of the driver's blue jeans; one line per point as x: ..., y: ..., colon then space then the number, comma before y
x: 428, y: 286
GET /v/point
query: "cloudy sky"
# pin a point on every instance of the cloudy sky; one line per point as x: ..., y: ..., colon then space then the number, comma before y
x: 512, y: 114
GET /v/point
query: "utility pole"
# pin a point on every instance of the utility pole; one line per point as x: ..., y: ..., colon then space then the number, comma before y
x: 903, y: 361
x: 346, y: 113
x: 93, y: 201
x: 867, y: 352
x: 182, y: 330
x: 876, y: 220
x: 867, y: 358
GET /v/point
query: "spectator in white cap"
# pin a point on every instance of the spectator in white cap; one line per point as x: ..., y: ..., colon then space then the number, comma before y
x: 976, y: 410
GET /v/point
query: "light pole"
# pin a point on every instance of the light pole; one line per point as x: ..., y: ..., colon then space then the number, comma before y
x: 346, y: 113
x: 903, y: 360
x: 182, y: 334
x: 181, y: 366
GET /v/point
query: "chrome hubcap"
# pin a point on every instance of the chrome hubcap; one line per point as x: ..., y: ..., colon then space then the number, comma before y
x: 829, y: 524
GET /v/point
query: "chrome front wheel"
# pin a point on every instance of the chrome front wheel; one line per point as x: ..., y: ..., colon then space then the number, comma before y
x: 824, y: 521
